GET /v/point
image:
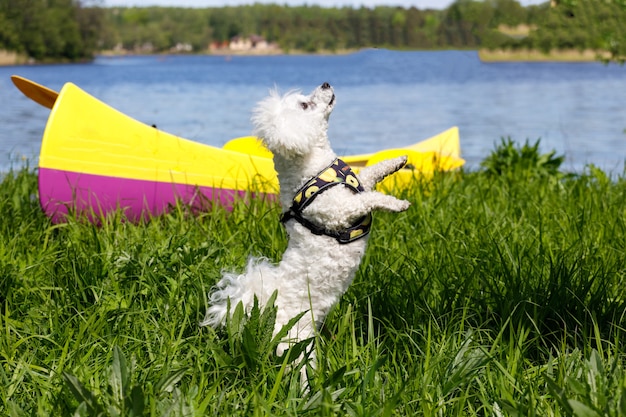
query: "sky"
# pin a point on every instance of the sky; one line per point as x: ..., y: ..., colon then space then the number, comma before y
x: 420, y: 4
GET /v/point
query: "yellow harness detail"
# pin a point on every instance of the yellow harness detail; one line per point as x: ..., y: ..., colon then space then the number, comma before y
x: 338, y: 172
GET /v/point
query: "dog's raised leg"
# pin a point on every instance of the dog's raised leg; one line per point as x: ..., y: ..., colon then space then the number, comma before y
x: 370, y: 176
x: 342, y: 212
x: 369, y: 201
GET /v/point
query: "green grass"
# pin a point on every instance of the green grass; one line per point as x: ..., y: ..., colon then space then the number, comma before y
x: 496, y: 294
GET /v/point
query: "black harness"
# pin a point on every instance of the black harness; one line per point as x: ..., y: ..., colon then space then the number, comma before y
x: 338, y: 172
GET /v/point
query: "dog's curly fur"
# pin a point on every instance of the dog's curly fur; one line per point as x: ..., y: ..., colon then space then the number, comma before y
x: 315, y: 270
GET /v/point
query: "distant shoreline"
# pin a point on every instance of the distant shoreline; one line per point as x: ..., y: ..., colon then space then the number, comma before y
x: 230, y: 52
x: 530, y: 55
x: 9, y: 58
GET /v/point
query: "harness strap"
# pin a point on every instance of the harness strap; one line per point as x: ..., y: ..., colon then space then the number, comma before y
x: 338, y: 172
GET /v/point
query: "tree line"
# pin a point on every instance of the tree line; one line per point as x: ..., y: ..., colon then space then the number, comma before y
x: 74, y: 30
x: 55, y: 30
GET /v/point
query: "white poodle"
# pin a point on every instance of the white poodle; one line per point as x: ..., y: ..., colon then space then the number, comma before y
x: 326, y: 211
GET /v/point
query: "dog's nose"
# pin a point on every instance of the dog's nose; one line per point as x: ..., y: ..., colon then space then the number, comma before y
x: 325, y: 86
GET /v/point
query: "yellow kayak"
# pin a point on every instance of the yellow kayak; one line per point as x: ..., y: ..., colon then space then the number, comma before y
x: 95, y: 160
x: 441, y: 152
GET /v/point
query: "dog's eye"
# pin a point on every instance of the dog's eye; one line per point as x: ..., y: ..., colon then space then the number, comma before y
x: 304, y: 105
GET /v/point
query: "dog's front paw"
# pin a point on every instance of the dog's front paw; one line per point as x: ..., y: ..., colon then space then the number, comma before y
x: 399, y: 162
x: 373, y: 174
x: 394, y: 205
x: 402, y: 205
x: 390, y: 166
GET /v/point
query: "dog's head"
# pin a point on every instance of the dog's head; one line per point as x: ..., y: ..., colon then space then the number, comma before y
x: 292, y: 124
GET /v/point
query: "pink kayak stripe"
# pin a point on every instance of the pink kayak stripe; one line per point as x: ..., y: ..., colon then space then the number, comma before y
x: 62, y: 191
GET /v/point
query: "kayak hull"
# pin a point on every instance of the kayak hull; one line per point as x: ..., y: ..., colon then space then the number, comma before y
x: 95, y: 160
x: 95, y: 196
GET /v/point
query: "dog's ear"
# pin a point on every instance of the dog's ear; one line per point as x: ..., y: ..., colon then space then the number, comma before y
x: 284, y: 127
x: 264, y: 114
x: 265, y: 109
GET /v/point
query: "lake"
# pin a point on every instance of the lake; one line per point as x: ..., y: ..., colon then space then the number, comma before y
x: 385, y: 99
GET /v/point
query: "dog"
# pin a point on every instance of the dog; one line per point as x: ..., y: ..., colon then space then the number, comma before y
x: 326, y: 210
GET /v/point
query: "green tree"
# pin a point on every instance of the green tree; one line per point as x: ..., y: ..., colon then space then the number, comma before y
x: 9, y: 39
x: 584, y: 24
x: 74, y: 30
x: 48, y: 30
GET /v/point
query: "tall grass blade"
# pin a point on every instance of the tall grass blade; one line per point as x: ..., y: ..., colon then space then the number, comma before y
x: 86, y: 398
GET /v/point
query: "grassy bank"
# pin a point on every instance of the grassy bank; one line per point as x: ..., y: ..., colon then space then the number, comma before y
x: 529, y: 55
x: 500, y: 292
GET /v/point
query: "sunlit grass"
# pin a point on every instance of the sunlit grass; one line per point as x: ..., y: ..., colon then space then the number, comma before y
x: 489, y: 297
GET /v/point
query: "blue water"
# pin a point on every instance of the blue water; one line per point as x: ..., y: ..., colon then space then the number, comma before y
x: 384, y: 99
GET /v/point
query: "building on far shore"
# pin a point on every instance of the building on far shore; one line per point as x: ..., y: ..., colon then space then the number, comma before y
x: 253, y: 44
